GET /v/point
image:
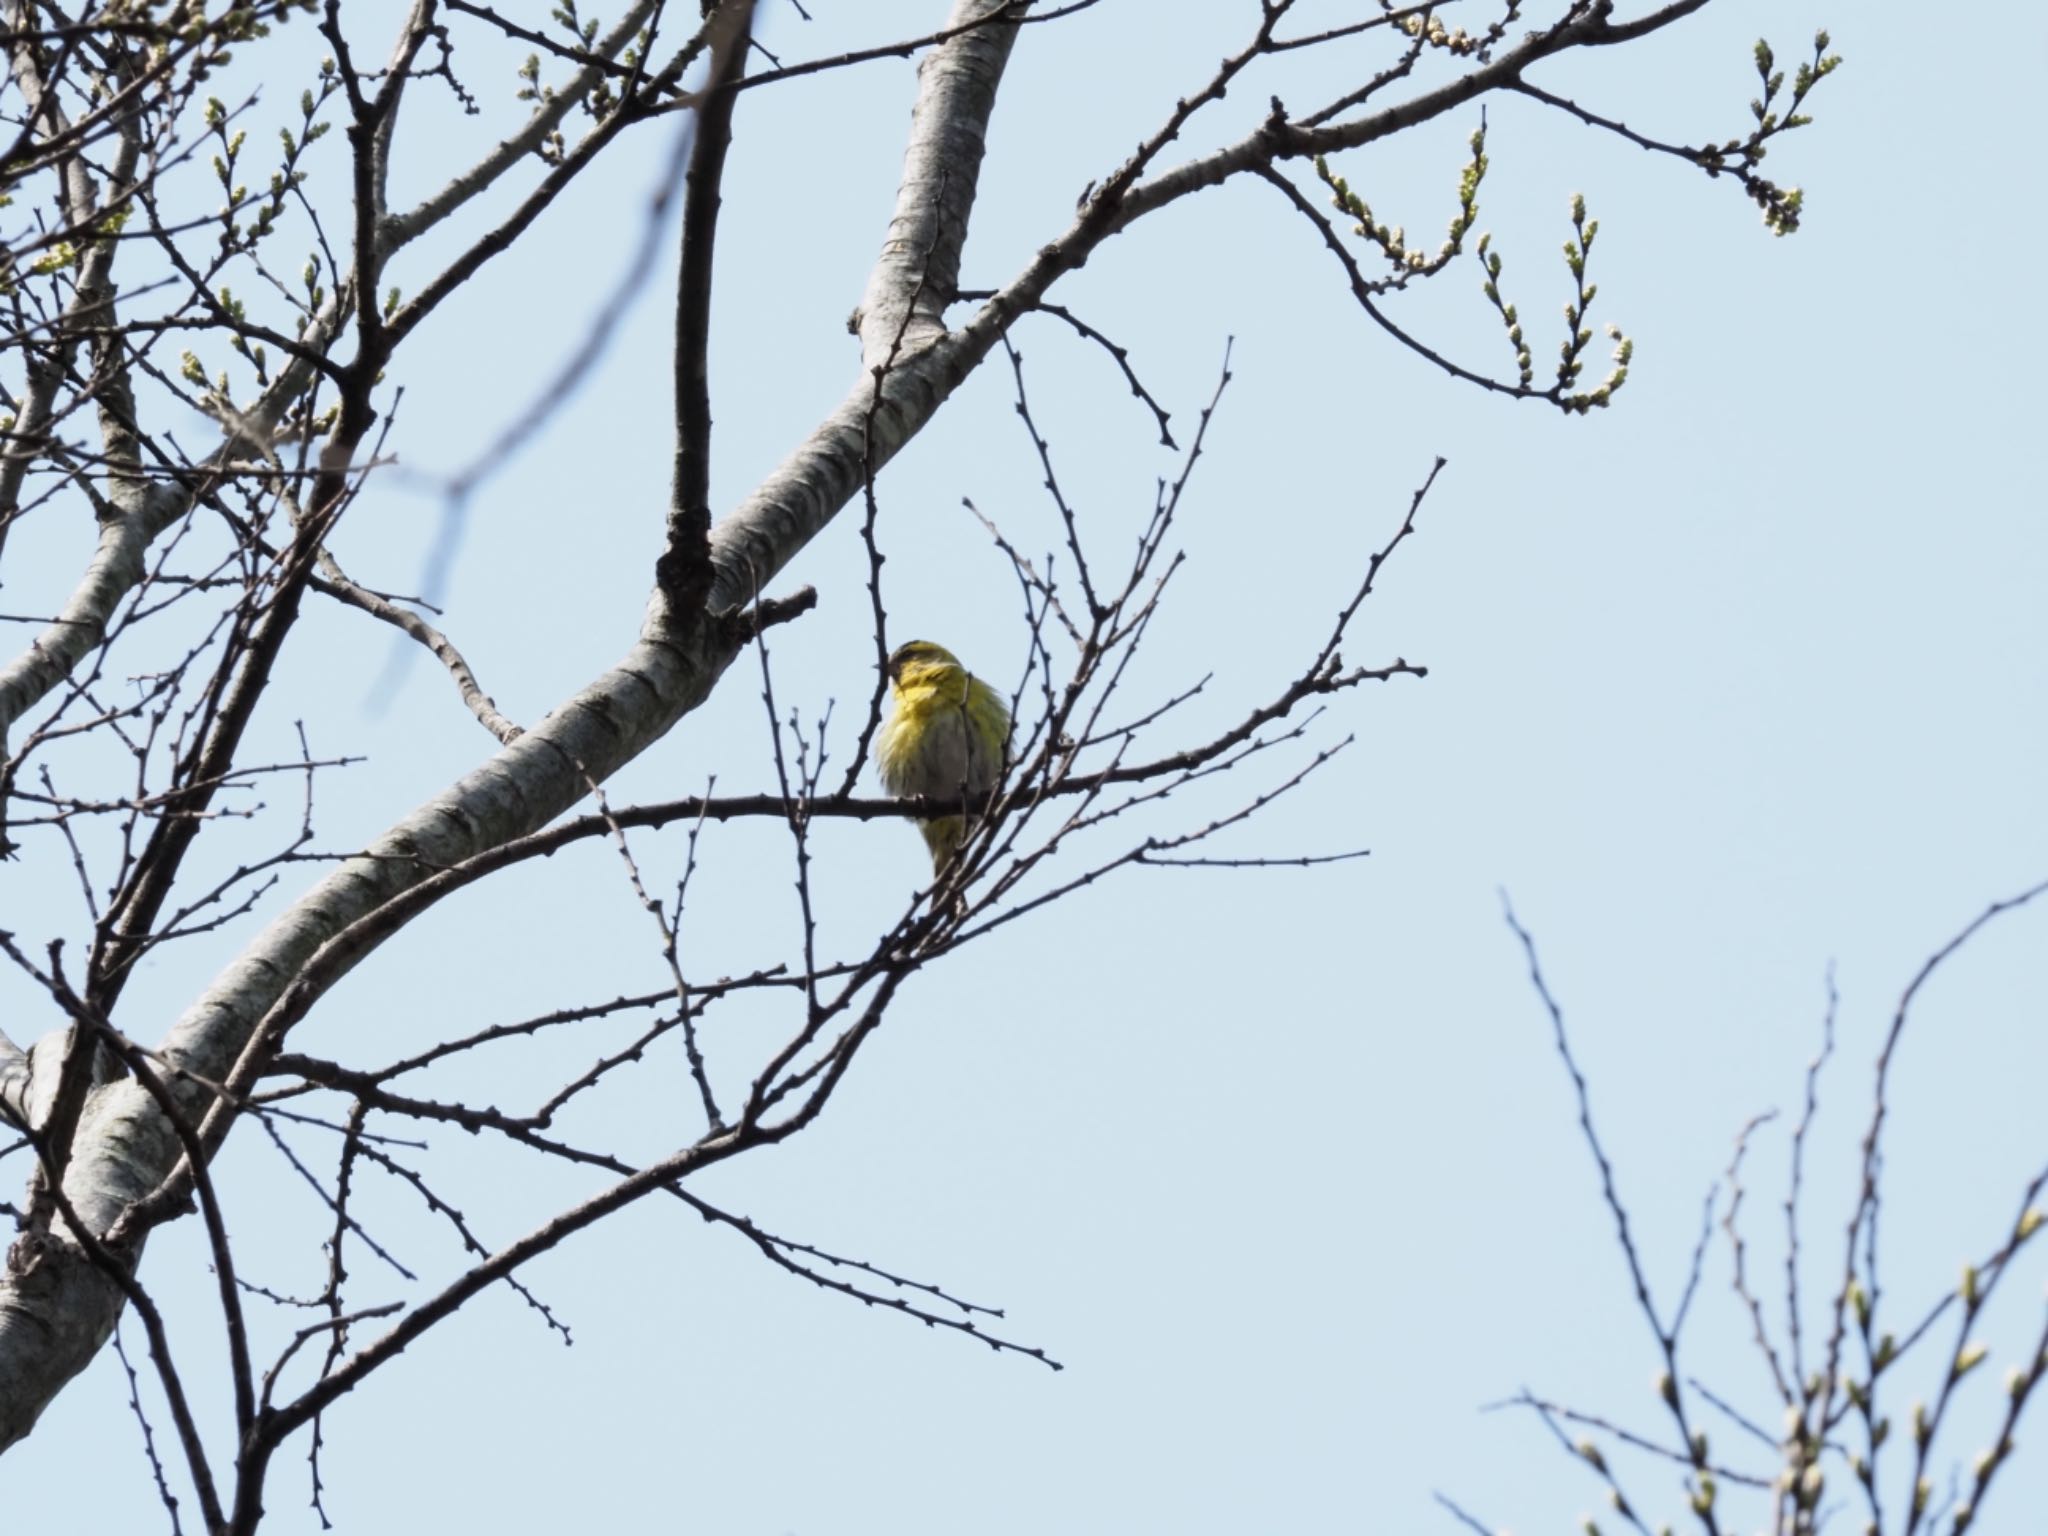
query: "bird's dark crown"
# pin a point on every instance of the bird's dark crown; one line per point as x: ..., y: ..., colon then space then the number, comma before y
x: 918, y: 652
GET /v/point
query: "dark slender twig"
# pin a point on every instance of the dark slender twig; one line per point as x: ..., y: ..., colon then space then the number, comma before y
x: 1464, y: 1517
x: 684, y: 570
x: 164, y: 1495
x: 1121, y: 356
x: 1666, y: 1336
x: 871, y: 505
x: 1528, y: 1399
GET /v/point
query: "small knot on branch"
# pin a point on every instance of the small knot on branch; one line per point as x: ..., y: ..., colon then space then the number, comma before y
x: 771, y: 611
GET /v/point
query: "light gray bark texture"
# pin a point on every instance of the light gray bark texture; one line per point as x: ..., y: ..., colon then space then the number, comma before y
x: 56, y: 1309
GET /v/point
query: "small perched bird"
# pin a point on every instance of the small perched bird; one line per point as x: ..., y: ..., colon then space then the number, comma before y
x: 949, y: 735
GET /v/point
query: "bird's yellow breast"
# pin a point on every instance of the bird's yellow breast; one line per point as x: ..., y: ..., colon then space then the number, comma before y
x: 931, y: 685
x: 947, y: 732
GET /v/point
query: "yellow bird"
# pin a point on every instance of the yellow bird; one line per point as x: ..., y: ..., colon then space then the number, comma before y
x: 948, y: 736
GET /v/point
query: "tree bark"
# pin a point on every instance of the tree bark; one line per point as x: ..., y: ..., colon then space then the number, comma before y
x: 56, y: 1310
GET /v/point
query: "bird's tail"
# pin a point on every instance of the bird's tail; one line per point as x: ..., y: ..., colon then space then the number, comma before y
x: 943, y: 836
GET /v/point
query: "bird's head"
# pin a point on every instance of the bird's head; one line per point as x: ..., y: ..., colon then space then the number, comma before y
x: 916, y: 656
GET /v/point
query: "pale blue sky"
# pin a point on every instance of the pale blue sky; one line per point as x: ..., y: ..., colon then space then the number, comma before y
x: 1740, y: 678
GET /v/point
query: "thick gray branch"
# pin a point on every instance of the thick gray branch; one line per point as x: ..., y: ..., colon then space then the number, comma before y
x: 904, y: 306
x: 55, y: 1311
x: 900, y: 318
x: 13, y: 1082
